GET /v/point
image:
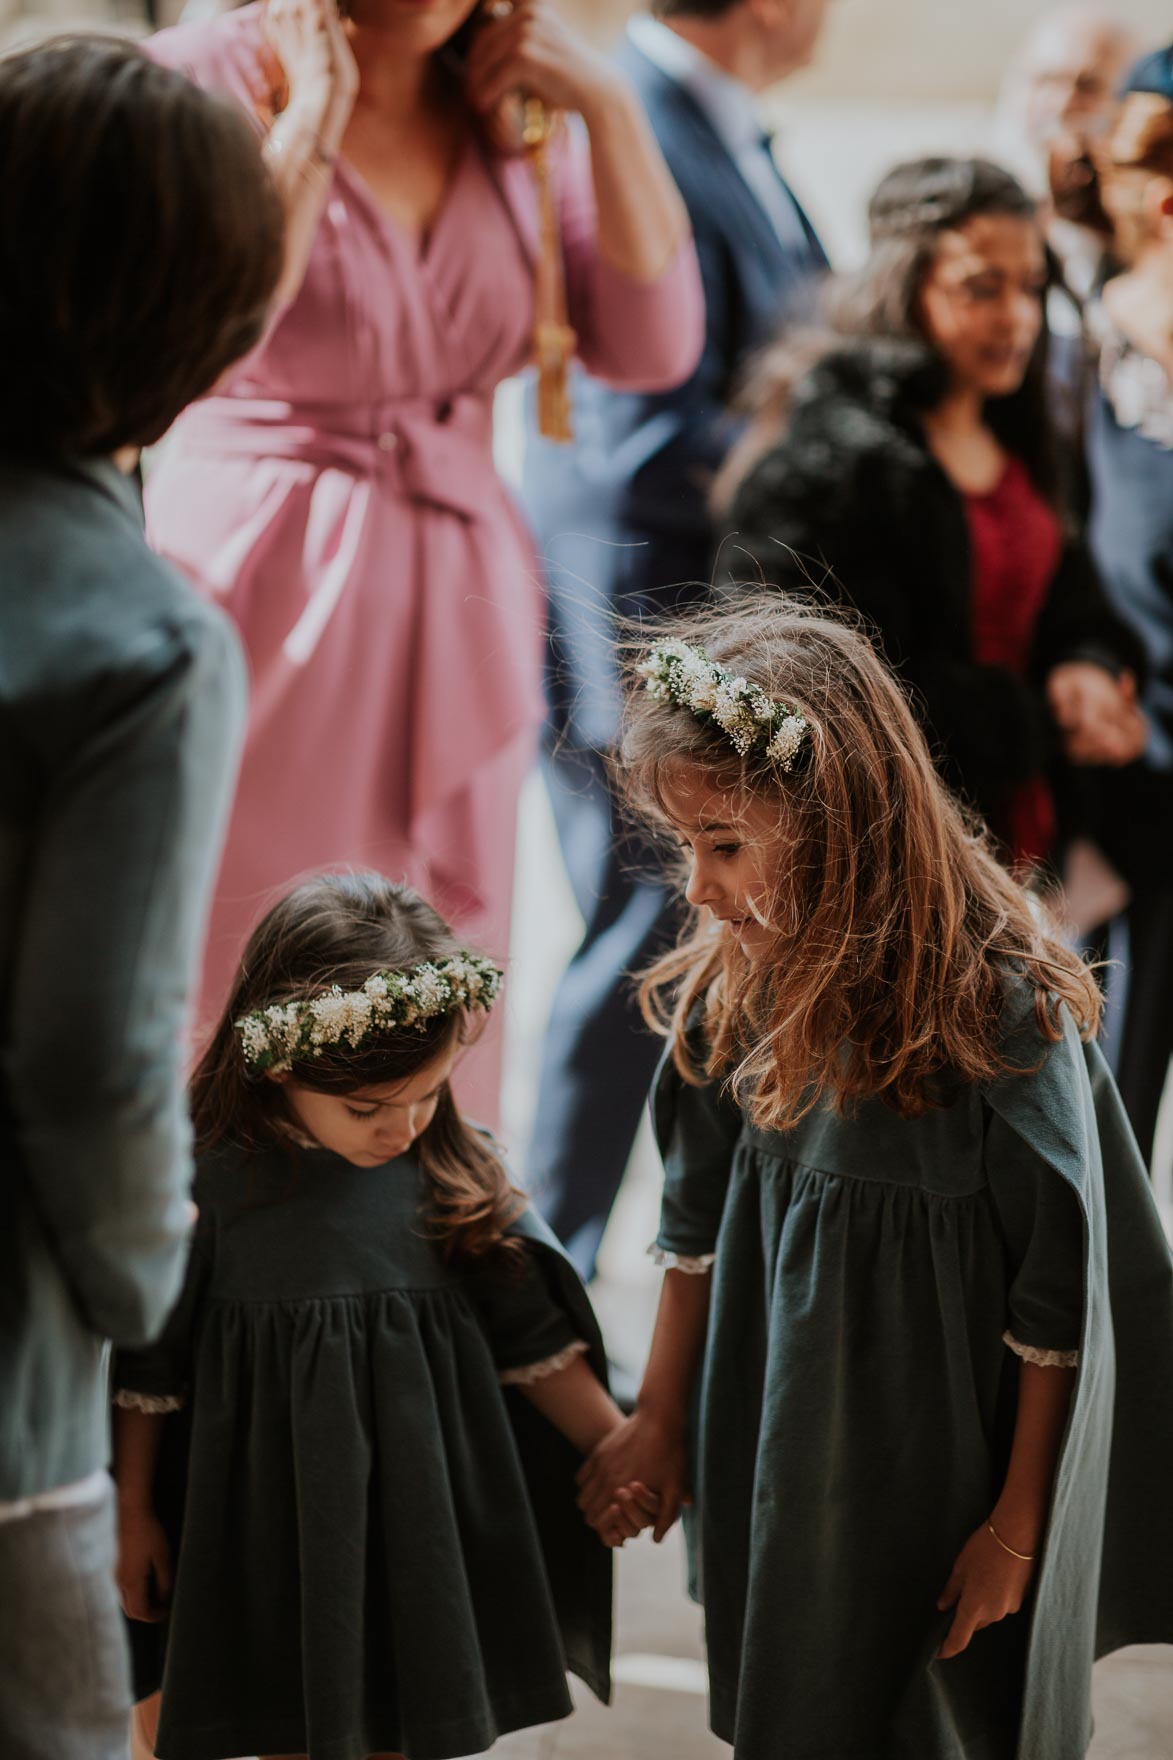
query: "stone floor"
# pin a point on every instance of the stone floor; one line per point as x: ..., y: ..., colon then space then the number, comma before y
x: 660, y: 1708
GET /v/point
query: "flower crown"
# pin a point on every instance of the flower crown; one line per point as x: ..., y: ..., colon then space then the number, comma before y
x: 680, y: 674
x: 271, y: 1038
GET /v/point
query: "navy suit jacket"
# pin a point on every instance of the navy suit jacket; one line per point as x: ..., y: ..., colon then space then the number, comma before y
x: 621, y: 516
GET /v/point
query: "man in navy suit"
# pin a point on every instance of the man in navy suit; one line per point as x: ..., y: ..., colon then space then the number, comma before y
x: 624, y: 530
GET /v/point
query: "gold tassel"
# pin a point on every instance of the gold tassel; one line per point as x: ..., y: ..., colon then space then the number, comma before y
x: 554, y: 340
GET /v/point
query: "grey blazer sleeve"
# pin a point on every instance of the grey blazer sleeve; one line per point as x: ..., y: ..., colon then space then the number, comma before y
x: 120, y: 871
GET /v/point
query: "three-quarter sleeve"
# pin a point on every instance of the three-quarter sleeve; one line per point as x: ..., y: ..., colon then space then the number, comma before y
x: 1042, y: 1228
x: 697, y: 1131
x: 636, y: 335
x: 530, y: 1333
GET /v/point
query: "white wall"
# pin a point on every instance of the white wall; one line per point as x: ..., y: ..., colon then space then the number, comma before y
x: 894, y: 78
x: 924, y: 49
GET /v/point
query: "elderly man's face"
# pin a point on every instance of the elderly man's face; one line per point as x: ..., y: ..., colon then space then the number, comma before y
x: 1072, y: 70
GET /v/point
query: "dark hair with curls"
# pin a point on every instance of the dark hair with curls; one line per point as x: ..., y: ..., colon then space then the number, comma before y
x: 896, y: 932
x: 141, y: 241
x: 909, y: 211
x: 340, y: 929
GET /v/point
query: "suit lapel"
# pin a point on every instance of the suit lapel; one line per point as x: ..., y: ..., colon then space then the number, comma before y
x: 681, y: 119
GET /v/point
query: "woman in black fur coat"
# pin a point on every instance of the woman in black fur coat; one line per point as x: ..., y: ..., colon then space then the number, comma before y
x: 900, y: 460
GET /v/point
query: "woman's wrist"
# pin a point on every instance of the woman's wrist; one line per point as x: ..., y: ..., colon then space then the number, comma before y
x: 317, y: 114
x: 606, y: 104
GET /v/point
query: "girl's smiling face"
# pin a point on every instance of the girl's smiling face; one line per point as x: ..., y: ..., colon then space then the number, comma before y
x: 731, y: 839
x: 981, y: 302
x: 372, y: 1125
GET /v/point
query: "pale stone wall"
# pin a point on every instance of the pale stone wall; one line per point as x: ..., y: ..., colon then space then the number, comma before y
x: 895, y: 78
x: 929, y: 50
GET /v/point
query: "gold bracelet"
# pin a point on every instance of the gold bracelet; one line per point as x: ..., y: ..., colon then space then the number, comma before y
x: 1026, y: 1557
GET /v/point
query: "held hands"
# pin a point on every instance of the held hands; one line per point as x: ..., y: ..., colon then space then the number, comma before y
x: 144, y: 1574
x: 645, y: 1451
x: 1097, y: 714
x: 523, y: 46
x: 986, y: 1585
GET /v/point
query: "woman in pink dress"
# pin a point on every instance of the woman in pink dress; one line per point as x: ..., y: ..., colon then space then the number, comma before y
x: 338, y: 495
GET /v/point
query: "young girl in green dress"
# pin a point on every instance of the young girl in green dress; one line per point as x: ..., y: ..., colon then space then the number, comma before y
x: 917, y: 1293
x: 359, y: 1529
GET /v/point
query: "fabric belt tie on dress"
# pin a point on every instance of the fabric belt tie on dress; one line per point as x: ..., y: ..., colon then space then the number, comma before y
x: 421, y: 449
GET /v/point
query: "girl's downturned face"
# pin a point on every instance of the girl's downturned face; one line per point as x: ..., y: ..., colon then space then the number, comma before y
x: 372, y: 1125
x: 732, y: 841
x: 981, y: 302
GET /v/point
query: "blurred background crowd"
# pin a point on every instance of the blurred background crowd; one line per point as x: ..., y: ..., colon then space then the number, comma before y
x: 1084, y: 624
x: 932, y: 380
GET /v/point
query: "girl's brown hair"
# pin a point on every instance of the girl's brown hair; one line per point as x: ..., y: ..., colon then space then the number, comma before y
x: 895, y: 930
x: 339, y: 929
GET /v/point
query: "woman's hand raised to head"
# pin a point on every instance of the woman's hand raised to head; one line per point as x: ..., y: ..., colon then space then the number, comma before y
x: 524, y: 46
x: 315, y: 83
x: 315, y: 61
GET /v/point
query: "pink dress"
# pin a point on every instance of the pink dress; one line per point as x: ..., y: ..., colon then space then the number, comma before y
x: 338, y: 496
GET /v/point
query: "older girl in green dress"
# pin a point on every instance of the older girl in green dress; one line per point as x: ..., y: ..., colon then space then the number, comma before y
x: 917, y: 1293
x: 358, y: 1534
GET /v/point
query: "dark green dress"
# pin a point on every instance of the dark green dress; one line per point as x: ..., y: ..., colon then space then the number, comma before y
x: 378, y: 1547
x: 857, y: 1404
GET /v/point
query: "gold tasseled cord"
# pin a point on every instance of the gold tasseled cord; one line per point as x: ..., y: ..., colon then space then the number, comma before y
x: 554, y: 340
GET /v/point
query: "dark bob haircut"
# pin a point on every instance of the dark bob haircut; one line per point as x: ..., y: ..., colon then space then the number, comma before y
x: 141, y: 242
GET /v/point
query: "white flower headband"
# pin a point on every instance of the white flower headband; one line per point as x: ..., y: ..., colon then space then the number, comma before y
x: 680, y: 674
x: 271, y: 1038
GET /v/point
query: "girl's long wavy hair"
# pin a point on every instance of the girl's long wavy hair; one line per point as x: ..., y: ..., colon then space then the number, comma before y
x: 895, y: 930
x: 339, y: 929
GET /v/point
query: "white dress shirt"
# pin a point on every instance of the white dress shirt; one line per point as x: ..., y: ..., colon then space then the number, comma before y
x: 731, y: 108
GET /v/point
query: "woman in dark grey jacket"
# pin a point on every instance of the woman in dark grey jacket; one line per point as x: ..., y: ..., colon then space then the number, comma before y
x: 140, y: 243
x: 901, y: 460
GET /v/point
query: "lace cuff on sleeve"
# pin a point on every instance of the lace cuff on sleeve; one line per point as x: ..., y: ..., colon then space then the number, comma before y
x: 699, y: 1266
x: 531, y: 1372
x: 148, y: 1402
x: 1043, y: 1359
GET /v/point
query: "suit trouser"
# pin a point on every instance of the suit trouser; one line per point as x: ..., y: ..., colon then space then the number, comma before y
x: 1140, y: 987
x: 598, y: 1058
x: 64, y: 1672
